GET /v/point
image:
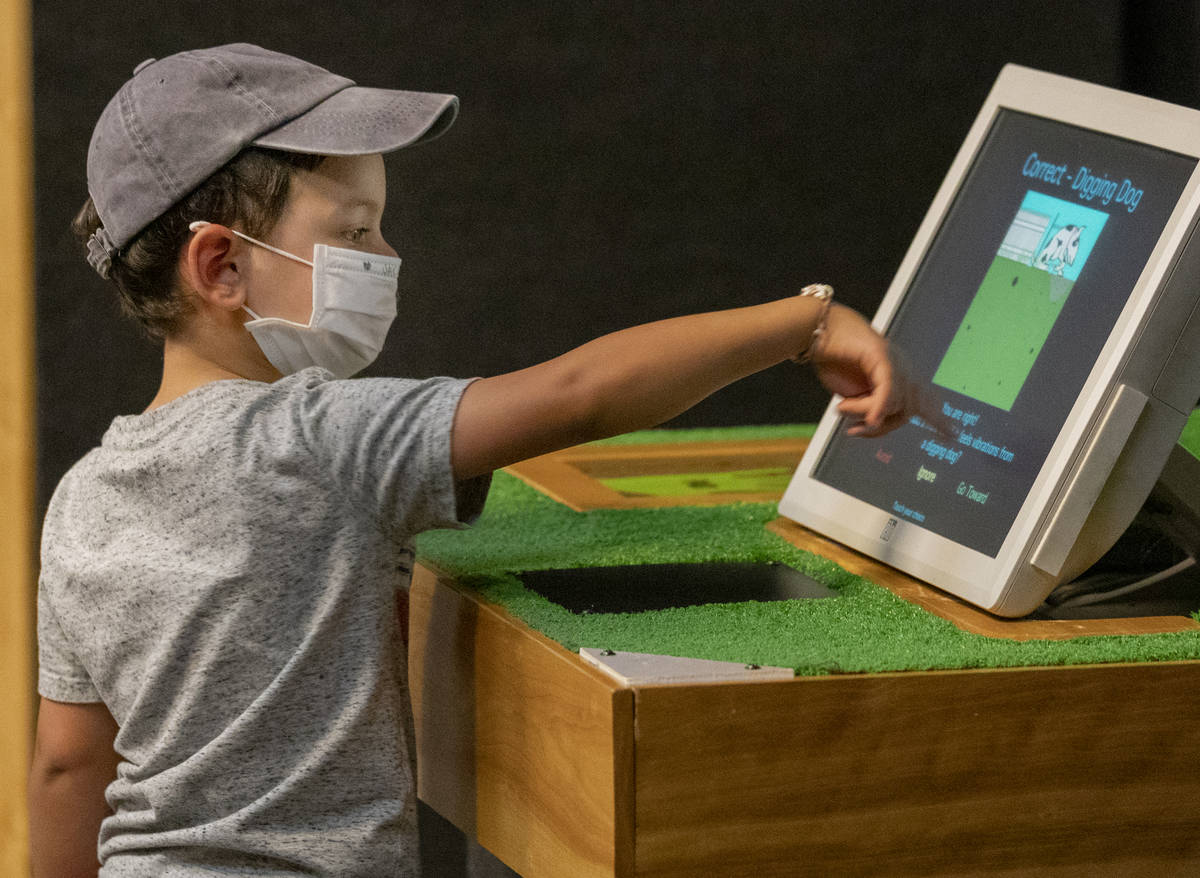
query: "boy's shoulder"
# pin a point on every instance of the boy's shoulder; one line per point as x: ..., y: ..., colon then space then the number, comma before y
x: 187, y: 420
x: 217, y: 400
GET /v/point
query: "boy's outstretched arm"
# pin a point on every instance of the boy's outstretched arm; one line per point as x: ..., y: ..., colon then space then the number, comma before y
x: 640, y: 377
x: 73, y: 762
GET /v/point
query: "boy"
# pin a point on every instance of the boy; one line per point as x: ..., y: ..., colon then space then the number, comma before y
x: 223, y: 686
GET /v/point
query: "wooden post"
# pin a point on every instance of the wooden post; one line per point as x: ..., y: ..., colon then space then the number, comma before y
x: 520, y: 744
x: 17, y: 473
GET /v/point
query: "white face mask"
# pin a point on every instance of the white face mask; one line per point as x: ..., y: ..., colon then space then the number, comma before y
x: 354, y: 304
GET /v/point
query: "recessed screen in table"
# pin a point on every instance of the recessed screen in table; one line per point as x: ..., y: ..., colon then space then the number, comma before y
x: 1006, y: 315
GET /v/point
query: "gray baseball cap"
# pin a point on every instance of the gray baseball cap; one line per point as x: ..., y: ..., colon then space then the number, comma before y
x: 181, y: 119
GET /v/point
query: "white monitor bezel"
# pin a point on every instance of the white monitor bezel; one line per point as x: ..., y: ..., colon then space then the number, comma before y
x: 971, y: 574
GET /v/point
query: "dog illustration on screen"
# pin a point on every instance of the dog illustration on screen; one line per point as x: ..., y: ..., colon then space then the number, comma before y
x: 1061, y: 250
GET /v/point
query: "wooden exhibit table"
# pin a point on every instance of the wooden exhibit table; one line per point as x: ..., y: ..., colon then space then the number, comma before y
x: 563, y: 771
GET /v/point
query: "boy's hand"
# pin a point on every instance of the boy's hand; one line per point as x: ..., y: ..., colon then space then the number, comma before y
x: 855, y: 362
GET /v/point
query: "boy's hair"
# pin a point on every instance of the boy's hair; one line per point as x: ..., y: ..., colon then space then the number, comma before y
x: 250, y: 192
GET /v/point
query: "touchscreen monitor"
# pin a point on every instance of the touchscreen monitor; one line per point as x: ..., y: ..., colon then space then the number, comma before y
x: 1046, y: 302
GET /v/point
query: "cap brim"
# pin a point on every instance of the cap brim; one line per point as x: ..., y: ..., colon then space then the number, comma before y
x: 362, y: 121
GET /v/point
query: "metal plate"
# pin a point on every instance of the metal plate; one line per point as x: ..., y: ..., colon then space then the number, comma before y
x: 641, y: 669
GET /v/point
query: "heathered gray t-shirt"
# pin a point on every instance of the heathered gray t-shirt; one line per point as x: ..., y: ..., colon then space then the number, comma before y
x: 222, y: 573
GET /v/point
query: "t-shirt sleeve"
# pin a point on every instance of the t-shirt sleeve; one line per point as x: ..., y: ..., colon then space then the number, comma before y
x: 386, y: 443
x: 61, y: 676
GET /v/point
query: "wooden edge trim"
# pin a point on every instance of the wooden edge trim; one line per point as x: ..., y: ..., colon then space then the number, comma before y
x: 561, y: 477
x: 559, y: 480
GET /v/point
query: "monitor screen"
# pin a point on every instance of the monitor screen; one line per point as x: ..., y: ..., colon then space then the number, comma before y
x: 1005, y: 316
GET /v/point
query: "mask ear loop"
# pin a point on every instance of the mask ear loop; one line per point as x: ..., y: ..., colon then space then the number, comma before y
x: 199, y: 224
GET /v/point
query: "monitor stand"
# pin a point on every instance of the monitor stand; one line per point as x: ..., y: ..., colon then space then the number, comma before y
x: 1165, y: 532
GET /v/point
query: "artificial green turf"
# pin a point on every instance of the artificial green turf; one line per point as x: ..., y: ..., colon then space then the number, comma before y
x: 865, y: 628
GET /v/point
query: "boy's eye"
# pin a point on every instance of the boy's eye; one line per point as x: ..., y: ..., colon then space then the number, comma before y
x: 357, y: 235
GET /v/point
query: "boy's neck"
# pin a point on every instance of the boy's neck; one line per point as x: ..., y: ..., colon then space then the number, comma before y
x: 187, y: 366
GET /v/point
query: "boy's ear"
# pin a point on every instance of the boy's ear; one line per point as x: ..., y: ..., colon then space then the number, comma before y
x: 209, y: 266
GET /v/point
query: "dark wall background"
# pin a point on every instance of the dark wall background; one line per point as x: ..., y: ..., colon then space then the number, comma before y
x: 613, y: 163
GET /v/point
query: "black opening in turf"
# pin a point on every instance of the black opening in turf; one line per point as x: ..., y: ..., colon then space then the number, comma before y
x: 635, y: 588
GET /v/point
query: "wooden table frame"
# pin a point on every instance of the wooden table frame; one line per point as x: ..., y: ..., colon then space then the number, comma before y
x: 560, y: 771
